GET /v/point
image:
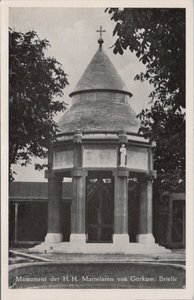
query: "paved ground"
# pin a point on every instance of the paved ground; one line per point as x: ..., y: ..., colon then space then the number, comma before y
x: 22, y: 255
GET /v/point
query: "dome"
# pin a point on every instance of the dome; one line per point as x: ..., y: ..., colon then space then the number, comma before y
x: 100, y: 101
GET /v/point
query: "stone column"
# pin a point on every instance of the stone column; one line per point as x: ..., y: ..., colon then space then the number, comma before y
x: 78, y: 207
x: 54, y: 234
x: 78, y: 202
x: 16, y: 205
x: 120, y: 235
x: 145, y: 235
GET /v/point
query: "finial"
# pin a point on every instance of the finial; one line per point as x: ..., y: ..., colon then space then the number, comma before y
x: 100, y: 40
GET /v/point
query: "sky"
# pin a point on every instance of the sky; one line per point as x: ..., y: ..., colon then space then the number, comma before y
x: 72, y: 35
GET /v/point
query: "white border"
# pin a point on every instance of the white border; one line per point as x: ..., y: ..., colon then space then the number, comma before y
x: 96, y: 294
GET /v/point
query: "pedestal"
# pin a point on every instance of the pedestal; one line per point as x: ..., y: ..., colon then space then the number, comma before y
x: 120, y: 242
x: 52, y: 238
x: 146, y: 238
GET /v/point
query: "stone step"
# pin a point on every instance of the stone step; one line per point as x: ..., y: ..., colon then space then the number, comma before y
x: 94, y: 248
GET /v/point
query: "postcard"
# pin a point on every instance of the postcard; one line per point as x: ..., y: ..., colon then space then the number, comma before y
x: 97, y: 149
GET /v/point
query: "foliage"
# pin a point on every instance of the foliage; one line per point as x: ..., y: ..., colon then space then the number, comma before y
x: 35, y: 83
x: 157, y: 35
x: 167, y: 129
x: 158, y: 38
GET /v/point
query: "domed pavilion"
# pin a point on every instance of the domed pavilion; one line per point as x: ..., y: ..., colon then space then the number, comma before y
x: 98, y: 146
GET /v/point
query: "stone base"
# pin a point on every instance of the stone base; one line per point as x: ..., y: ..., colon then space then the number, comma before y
x: 99, y: 248
x: 147, y: 239
x: 121, y: 239
x: 52, y: 238
x: 77, y: 238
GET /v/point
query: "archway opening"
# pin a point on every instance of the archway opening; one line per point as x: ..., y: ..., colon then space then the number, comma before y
x: 99, y: 207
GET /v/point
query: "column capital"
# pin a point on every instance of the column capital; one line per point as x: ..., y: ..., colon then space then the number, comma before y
x: 77, y: 138
x: 121, y: 172
x: 148, y: 176
x: 78, y: 172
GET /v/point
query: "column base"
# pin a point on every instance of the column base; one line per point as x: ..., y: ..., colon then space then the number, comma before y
x: 146, y: 238
x: 120, y: 245
x: 53, y: 238
x: 121, y: 239
x: 78, y: 238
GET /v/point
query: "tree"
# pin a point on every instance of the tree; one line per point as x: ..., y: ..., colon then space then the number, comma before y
x: 158, y: 38
x: 35, y: 83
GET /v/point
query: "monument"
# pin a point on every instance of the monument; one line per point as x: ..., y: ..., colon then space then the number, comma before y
x: 99, y: 147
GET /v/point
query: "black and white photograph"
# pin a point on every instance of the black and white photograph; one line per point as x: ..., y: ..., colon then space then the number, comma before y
x: 97, y: 184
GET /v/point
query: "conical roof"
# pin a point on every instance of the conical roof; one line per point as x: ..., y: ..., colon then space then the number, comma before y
x: 100, y: 101
x: 100, y: 74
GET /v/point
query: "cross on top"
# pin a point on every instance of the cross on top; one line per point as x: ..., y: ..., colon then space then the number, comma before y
x: 100, y: 31
x: 100, y: 40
